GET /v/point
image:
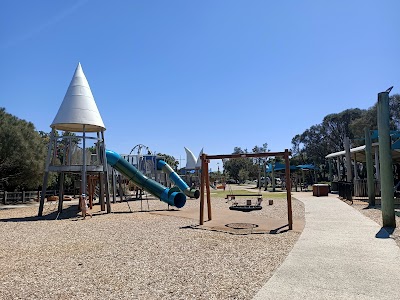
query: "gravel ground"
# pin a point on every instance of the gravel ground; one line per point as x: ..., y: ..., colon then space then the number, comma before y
x: 136, y: 255
x: 375, y: 214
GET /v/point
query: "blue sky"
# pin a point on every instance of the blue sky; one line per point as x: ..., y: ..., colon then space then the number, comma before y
x: 212, y: 74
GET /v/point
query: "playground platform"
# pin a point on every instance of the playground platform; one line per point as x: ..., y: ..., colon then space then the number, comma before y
x: 341, y: 254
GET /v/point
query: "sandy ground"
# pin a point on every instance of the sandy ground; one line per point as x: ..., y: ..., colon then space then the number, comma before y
x: 131, y: 254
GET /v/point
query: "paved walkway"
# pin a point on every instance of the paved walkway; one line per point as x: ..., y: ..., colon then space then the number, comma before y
x: 341, y: 254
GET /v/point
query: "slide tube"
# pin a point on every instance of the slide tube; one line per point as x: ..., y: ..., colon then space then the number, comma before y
x: 165, y: 194
x: 166, y: 168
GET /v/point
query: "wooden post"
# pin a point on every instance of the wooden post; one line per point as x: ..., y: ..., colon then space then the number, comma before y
x: 288, y: 190
x: 349, y: 177
x: 265, y: 176
x: 378, y: 171
x: 121, y: 190
x: 202, y: 189
x: 370, y: 167
x: 207, y: 177
x: 61, y: 193
x: 385, y: 155
x: 46, y: 172
x: 273, y: 175
x: 114, y: 186
x: 83, y: 175
x: 105, y: 170
x: 355, y: 175
x: 101, y: 196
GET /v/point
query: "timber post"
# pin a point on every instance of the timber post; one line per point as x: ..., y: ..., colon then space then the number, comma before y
x: 370, y: 167
x: 385, y: 155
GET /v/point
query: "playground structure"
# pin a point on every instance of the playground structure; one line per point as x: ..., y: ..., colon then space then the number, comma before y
x: 205, y: 180
x: 84, y: 153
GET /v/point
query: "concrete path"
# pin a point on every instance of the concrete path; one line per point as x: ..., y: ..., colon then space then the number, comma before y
x: 341, y: 254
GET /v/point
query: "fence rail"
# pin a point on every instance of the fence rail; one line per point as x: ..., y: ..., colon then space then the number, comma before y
x: 22, y: 197
x: 361, y: 188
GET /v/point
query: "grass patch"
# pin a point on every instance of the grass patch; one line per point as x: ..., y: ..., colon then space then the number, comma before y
x: 269, y: 195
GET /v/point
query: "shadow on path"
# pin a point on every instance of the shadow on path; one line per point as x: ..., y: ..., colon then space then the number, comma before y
x: 384, y: 233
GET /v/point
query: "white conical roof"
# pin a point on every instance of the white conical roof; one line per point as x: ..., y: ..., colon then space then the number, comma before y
x: 78, y: 107
x: 198, y: 163
x: 190, y: 159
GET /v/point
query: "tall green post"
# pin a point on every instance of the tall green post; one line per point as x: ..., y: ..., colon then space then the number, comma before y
x: 370, y: 167
x: 385, y: 155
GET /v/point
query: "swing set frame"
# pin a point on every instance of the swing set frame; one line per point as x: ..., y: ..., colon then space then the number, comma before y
x: 205, y: 180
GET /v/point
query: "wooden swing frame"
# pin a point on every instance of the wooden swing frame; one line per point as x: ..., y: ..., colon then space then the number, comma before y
x: 205, y: 180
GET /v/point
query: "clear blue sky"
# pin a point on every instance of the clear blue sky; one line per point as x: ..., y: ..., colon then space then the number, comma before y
x: 212, y: 74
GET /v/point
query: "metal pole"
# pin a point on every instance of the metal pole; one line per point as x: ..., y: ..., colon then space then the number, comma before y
x: 385, y: 154
x: 330, y: 170
x: 370, y: 167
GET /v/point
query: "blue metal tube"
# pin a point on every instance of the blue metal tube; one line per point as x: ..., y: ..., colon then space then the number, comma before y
x: 166, y: 168
x: 166, y: 195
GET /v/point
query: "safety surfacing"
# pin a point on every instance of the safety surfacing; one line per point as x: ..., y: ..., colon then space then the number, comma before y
x: 235, y: 222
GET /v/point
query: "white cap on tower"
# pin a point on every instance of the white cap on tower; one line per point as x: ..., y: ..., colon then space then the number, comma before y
x: 78, y: 107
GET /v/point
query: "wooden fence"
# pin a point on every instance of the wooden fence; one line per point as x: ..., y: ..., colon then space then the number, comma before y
x: 22, y: 197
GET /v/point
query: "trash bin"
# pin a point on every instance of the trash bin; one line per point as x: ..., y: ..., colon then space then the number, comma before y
x: 320, y: 189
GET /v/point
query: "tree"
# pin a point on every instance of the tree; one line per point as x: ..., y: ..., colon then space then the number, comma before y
x: 169, y: 159
x: 22, y: 153
x: 233, y: 166
x: 319, y: 140
x: 240, y: 168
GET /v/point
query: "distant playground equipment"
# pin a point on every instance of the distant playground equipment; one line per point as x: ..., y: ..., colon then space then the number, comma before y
x: 190, y: 192
x: 249, y: 206
x: 205, y: 181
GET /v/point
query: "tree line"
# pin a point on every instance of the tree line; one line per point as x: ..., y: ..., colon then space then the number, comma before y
x: 23, y: 149
x: 319, y: 140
